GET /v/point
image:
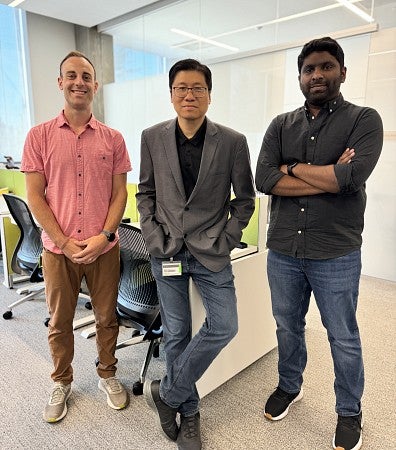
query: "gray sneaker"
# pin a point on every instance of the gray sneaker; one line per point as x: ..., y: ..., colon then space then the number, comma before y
x: 117, y: 396
x: 56, y: 408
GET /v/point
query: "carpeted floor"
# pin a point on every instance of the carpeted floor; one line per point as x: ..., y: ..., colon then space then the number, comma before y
x: 232, y: 416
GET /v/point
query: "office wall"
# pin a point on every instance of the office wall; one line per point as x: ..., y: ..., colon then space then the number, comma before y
x: 249, y: 92
x: 49, y: 40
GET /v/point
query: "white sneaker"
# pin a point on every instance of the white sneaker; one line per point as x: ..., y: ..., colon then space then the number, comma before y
x: 56, y: 408
x: 117, y: 396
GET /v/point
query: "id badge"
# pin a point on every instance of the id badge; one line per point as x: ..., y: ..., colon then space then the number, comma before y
x: 171, y: 268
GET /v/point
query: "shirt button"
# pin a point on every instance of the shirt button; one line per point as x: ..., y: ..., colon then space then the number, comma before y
x: 302, y: 209
x: 312, y: 138
x: 299, y: 231
x: 186, y: 208
x: 331, y: 110
x: 78, y: 231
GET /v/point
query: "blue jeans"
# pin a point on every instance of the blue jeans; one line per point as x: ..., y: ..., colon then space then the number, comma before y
x: 335, y: 285
x: 187, y: 357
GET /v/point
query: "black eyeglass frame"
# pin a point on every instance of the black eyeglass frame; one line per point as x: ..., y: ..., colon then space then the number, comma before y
x: 197, y: 91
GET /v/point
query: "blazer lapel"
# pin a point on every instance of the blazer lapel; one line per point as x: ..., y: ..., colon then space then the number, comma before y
x: 169, y: 140
x: 209, y: 150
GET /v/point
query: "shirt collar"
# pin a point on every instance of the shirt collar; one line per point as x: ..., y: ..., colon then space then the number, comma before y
x: 330, y: 106
x: 61, y: 121
x: 198, y: 137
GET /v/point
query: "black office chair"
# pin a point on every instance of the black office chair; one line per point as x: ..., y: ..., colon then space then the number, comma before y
x: 27, y: 254
x: 137, y: 303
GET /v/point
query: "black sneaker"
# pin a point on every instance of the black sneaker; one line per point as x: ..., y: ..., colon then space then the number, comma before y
x: 166, y: 414
x: 348, y: 435
x: 279, y: 402
x: 190, y: 433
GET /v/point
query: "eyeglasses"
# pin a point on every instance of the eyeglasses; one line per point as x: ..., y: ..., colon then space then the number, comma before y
x: 197, y: 91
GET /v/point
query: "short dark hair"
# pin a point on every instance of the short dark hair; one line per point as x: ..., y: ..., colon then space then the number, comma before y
x: 78, y: 55
x: 190, y: 64
x: 324, y: 44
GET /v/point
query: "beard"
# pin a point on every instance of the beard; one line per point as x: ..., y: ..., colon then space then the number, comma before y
x: 319, y: 93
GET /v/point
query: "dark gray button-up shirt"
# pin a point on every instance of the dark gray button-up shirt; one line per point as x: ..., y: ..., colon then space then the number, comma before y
x: 325, y: 225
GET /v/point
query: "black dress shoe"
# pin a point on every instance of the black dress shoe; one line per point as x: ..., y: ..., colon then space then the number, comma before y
x: 190, y: 433
x: 166, y: 414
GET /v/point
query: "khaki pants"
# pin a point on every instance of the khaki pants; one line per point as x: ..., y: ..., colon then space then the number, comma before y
x: 62, y: 285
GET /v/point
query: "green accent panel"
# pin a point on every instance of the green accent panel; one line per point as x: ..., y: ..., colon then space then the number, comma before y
x: 7, y: 178
x: 19, y: 184
x: 14, y: 180
x: 131, y: 207
x: 250, y: 233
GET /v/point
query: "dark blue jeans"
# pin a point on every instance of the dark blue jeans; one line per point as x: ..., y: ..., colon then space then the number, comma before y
x: 187, y: 357
x: 335, y: 285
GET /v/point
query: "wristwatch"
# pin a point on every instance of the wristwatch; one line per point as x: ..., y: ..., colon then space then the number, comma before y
x: 109, y: 235
x: 290, y: 168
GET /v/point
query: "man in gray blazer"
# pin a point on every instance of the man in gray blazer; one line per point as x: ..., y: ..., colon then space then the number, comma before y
x: 190, y: 225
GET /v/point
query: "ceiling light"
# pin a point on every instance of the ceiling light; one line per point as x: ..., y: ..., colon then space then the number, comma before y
x: 259, y: 26
x: 356, y: 10
x: 202, y: 39
x: 15, y: 3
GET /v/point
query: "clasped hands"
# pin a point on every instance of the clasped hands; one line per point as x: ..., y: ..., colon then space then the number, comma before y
x: 86, y: 251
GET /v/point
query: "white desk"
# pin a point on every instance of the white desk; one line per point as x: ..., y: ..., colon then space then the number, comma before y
x: 256, y: 335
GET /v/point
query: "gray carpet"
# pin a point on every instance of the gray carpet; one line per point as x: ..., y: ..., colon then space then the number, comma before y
x: 232, y: 416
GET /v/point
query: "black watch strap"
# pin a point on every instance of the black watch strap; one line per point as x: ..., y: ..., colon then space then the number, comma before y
x: 109, y: 235
x: 290, y: 168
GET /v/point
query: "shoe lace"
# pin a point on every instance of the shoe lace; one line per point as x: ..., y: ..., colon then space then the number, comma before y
x: 58, y: 394
x: 113, y: 384
x: 191, y: 427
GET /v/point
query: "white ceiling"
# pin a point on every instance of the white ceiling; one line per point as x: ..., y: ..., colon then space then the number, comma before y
x: 245, y: 25
x: 87, y: 13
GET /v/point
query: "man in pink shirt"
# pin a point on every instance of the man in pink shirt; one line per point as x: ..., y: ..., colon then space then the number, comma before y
x: 75, y: 170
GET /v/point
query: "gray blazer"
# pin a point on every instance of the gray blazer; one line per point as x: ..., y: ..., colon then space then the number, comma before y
x: 209, y: 222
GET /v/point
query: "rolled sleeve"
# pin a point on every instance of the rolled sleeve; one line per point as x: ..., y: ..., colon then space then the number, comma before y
x: 366, y: 139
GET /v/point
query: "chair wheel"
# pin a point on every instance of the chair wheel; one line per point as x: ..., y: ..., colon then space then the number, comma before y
x: 7, y: 315
x: 137, y: 388
x: 46, y: 321
x: 88, y: 305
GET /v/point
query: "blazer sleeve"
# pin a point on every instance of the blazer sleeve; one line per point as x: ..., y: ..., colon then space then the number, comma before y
x: 146, y: 196
x: 242, y: 204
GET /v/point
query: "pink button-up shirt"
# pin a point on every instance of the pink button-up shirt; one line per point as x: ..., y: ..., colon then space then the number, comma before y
x: 78, y: 172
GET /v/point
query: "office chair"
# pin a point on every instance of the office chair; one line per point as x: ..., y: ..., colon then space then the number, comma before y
x: 137, y: 303
x: 26, y: 257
